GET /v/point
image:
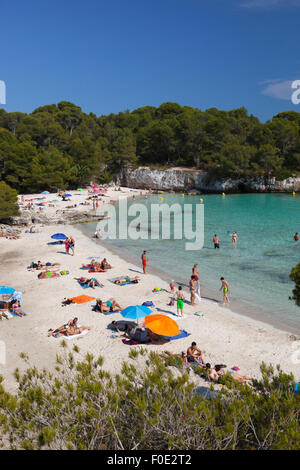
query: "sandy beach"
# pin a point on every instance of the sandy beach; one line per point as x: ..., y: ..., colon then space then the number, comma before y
x: 224, y: 336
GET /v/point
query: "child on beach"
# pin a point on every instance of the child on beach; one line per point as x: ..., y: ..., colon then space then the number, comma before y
x: 180, y: 298
x: 226, y: 290
x: 172, y: 286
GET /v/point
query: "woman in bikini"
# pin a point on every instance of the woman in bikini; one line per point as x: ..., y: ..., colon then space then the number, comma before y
x: 109, y: 306
x: 127, y: 279
x: 192, y: 289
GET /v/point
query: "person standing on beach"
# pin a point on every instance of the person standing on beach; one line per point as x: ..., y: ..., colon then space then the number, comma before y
x: 226, y: 290
x: 72, y: 245
x: 197, y: 282
x: 216, y: 241
x: 192, y: 290
x: 67, y: 245
x: 180, y: 299
x: 144, y: 261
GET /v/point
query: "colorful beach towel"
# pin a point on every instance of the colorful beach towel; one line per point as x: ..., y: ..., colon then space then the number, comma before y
x: 80, y: 299
x: 87, y: 287
x: 183, y: 334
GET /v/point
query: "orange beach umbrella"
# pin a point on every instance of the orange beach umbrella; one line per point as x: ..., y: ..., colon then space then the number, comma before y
x: 162, y: 325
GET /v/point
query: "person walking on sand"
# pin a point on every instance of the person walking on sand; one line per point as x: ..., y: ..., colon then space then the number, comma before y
x: 216, y: 241
x: 226, y: 290
x: 145, y: 260
x: 180, y: 298
x: 197, y: 282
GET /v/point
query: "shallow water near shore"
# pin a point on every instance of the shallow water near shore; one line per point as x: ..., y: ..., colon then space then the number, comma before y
x: 257, y: 267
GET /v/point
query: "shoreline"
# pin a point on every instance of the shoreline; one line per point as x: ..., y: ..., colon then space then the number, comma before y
x: 222, y: 334
x: 239, y: 307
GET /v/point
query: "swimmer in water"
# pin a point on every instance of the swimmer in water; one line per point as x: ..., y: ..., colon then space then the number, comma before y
x: 296, y: 237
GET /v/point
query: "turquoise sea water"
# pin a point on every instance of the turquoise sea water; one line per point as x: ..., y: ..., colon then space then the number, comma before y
x: 257, y: 268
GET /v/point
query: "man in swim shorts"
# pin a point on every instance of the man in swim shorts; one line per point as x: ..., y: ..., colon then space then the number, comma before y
x: 226, y: 290
x: 180, y: 298
x: 216, y: 241
x: 194, y: 354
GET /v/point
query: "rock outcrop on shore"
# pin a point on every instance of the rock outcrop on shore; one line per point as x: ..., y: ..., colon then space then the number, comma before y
x: 183, y: 179
x: 30, y: 217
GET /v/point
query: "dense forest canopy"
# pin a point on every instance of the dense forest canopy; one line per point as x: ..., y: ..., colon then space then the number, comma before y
x: 61, y: 146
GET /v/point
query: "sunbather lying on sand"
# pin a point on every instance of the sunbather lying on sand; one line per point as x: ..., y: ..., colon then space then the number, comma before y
x: 15, y: 307
x: 109, y: 306
x: 124, y: 280
x: 182, y: 356
x: 69, y: 329
x: 105, y: 265
x: 3, y: 315
x: 217, y: 372
x: 122, y: 327
x: 83, y: 281
x: 41, y: 266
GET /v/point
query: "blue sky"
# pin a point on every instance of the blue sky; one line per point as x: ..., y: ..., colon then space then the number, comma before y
x: 112, y: 55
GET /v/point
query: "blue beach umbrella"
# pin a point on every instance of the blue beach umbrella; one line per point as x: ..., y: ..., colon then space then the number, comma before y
x: 45, y: 192
x: 59, y: 236
x: 6, y: 290
x: 136, y: 311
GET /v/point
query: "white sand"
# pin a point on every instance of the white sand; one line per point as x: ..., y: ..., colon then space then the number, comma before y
x: 224, y: 336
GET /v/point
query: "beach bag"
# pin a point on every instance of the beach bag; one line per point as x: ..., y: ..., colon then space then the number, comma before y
x: 148, y: 304
x: 64, y: 272
x: 172, y: 302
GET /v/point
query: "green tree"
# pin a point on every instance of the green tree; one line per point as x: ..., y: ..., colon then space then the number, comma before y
x: 8, y: 201
x: 295, y: 277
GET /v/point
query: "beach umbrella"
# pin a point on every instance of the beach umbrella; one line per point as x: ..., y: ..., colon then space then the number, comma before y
x: 6, y: 290
x: 59, y: 236
x: 162, y: 325
x: 136, y: 311
x: 45, y: 192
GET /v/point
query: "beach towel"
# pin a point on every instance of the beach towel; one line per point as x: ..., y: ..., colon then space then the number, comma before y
x: 183, y: 334
x: 97, y: 271
x: 80, y: 299
x: 94, y: 257
x: 131, y: 342
x: 110, y: 313
x: 199, y: 314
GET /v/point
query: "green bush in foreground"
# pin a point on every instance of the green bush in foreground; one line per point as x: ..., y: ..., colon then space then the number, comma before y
x: 295, y: 276
x: 82, y: 406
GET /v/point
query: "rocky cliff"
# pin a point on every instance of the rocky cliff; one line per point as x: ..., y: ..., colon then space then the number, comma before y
x: 182, y: 179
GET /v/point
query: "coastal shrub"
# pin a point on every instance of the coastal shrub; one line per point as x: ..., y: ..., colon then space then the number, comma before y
x: 83, y: 406
x: 295, y: 276
x: 8, y: 201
